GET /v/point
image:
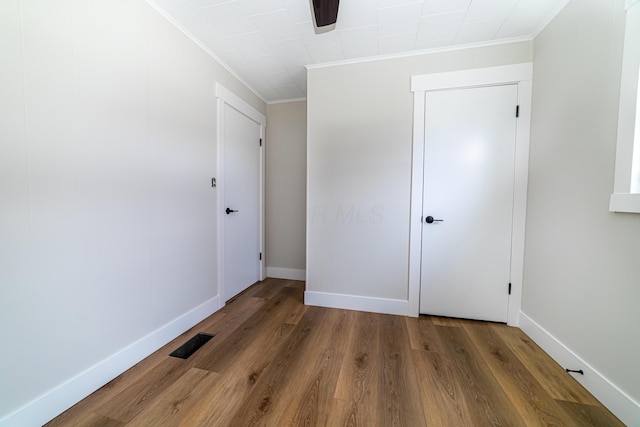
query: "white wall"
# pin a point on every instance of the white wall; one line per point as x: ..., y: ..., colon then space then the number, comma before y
x: 286, y: 188
x: 582, y: 262
x: 359, y: 170
x: 107, y: 217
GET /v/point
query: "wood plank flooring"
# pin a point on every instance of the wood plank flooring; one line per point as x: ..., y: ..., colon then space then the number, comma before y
x: 276, y: 362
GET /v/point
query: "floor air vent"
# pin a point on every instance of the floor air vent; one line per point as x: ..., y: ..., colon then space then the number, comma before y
x: 191, y: 346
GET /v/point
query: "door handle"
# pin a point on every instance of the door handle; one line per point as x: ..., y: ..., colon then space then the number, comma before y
x: 430, y: 219
x: 228, y: 211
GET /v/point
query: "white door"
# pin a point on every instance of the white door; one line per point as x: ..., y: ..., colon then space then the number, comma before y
x: 241, y: 208
x: 469, y: 164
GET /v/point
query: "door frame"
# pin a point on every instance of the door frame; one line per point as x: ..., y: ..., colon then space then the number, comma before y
x: 227, y: 99
x: 519, y: 74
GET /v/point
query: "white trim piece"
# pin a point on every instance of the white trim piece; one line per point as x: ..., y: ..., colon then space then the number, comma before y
x: 240, y: 104
x: 354, y: 302
x: 263, y: 203
x: 286, y: 273
x: 226, y: 97
x: 520, y: 185
x: 520, y: 74
x: 421, y: 52
x: 166, y: 15
x: 504, y: 74
x: 627, y: 109
x: 630, y: 3
x: 625, y: 202
x: 616, y: 400
x: 415, y: 216
x: 59, y: 399
x: 220, y: 201
x: 284, y: 101
x: 307, y: 203
x: 415, y: 222
x: 622, y: 199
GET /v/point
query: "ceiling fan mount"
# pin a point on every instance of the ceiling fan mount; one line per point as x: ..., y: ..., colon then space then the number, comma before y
x: 325, y: 12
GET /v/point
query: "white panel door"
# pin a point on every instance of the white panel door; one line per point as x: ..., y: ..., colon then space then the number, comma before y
x: 468, y: 184
x: 241, y: 209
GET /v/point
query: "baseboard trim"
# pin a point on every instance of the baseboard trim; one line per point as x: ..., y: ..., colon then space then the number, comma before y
x: 286, y: 273
x: 617, y: 401
x: 353, y: 302
x: 59, y: 399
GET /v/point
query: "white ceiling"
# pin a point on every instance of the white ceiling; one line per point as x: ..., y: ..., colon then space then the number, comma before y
x: 267, y: 43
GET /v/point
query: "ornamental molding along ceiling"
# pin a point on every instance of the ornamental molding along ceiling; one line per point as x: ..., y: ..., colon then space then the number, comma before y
x: 268, y: 43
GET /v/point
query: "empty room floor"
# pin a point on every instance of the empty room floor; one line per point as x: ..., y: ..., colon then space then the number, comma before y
x: 274, y: 361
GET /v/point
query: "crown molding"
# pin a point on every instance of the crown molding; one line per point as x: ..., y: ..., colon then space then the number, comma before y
x: 166, y: 15
x: 420, y: 52
x: 284, y: 101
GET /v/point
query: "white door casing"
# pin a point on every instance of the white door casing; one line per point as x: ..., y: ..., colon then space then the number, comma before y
x: 234, y: 111
x: 468, y: 186
x: 518, y: 74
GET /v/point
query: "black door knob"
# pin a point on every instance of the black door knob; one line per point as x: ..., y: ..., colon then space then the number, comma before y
x: 228, y: 211
x: 430, y: 219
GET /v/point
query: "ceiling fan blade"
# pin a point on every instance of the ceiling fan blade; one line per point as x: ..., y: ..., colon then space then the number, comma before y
x: 326, y: 12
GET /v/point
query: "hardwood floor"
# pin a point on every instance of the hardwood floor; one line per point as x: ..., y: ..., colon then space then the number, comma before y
x: 276, y: 362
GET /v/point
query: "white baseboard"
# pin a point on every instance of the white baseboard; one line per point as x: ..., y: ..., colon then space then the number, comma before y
x: 59, y: 399
x: 353, y: 302
x: 617, y: 401
x: 286, y: 273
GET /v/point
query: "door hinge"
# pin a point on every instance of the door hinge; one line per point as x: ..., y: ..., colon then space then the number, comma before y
x: 517, y: 111
x: 260, y: 142
x: 509, y: 288
x: 260, y: 257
